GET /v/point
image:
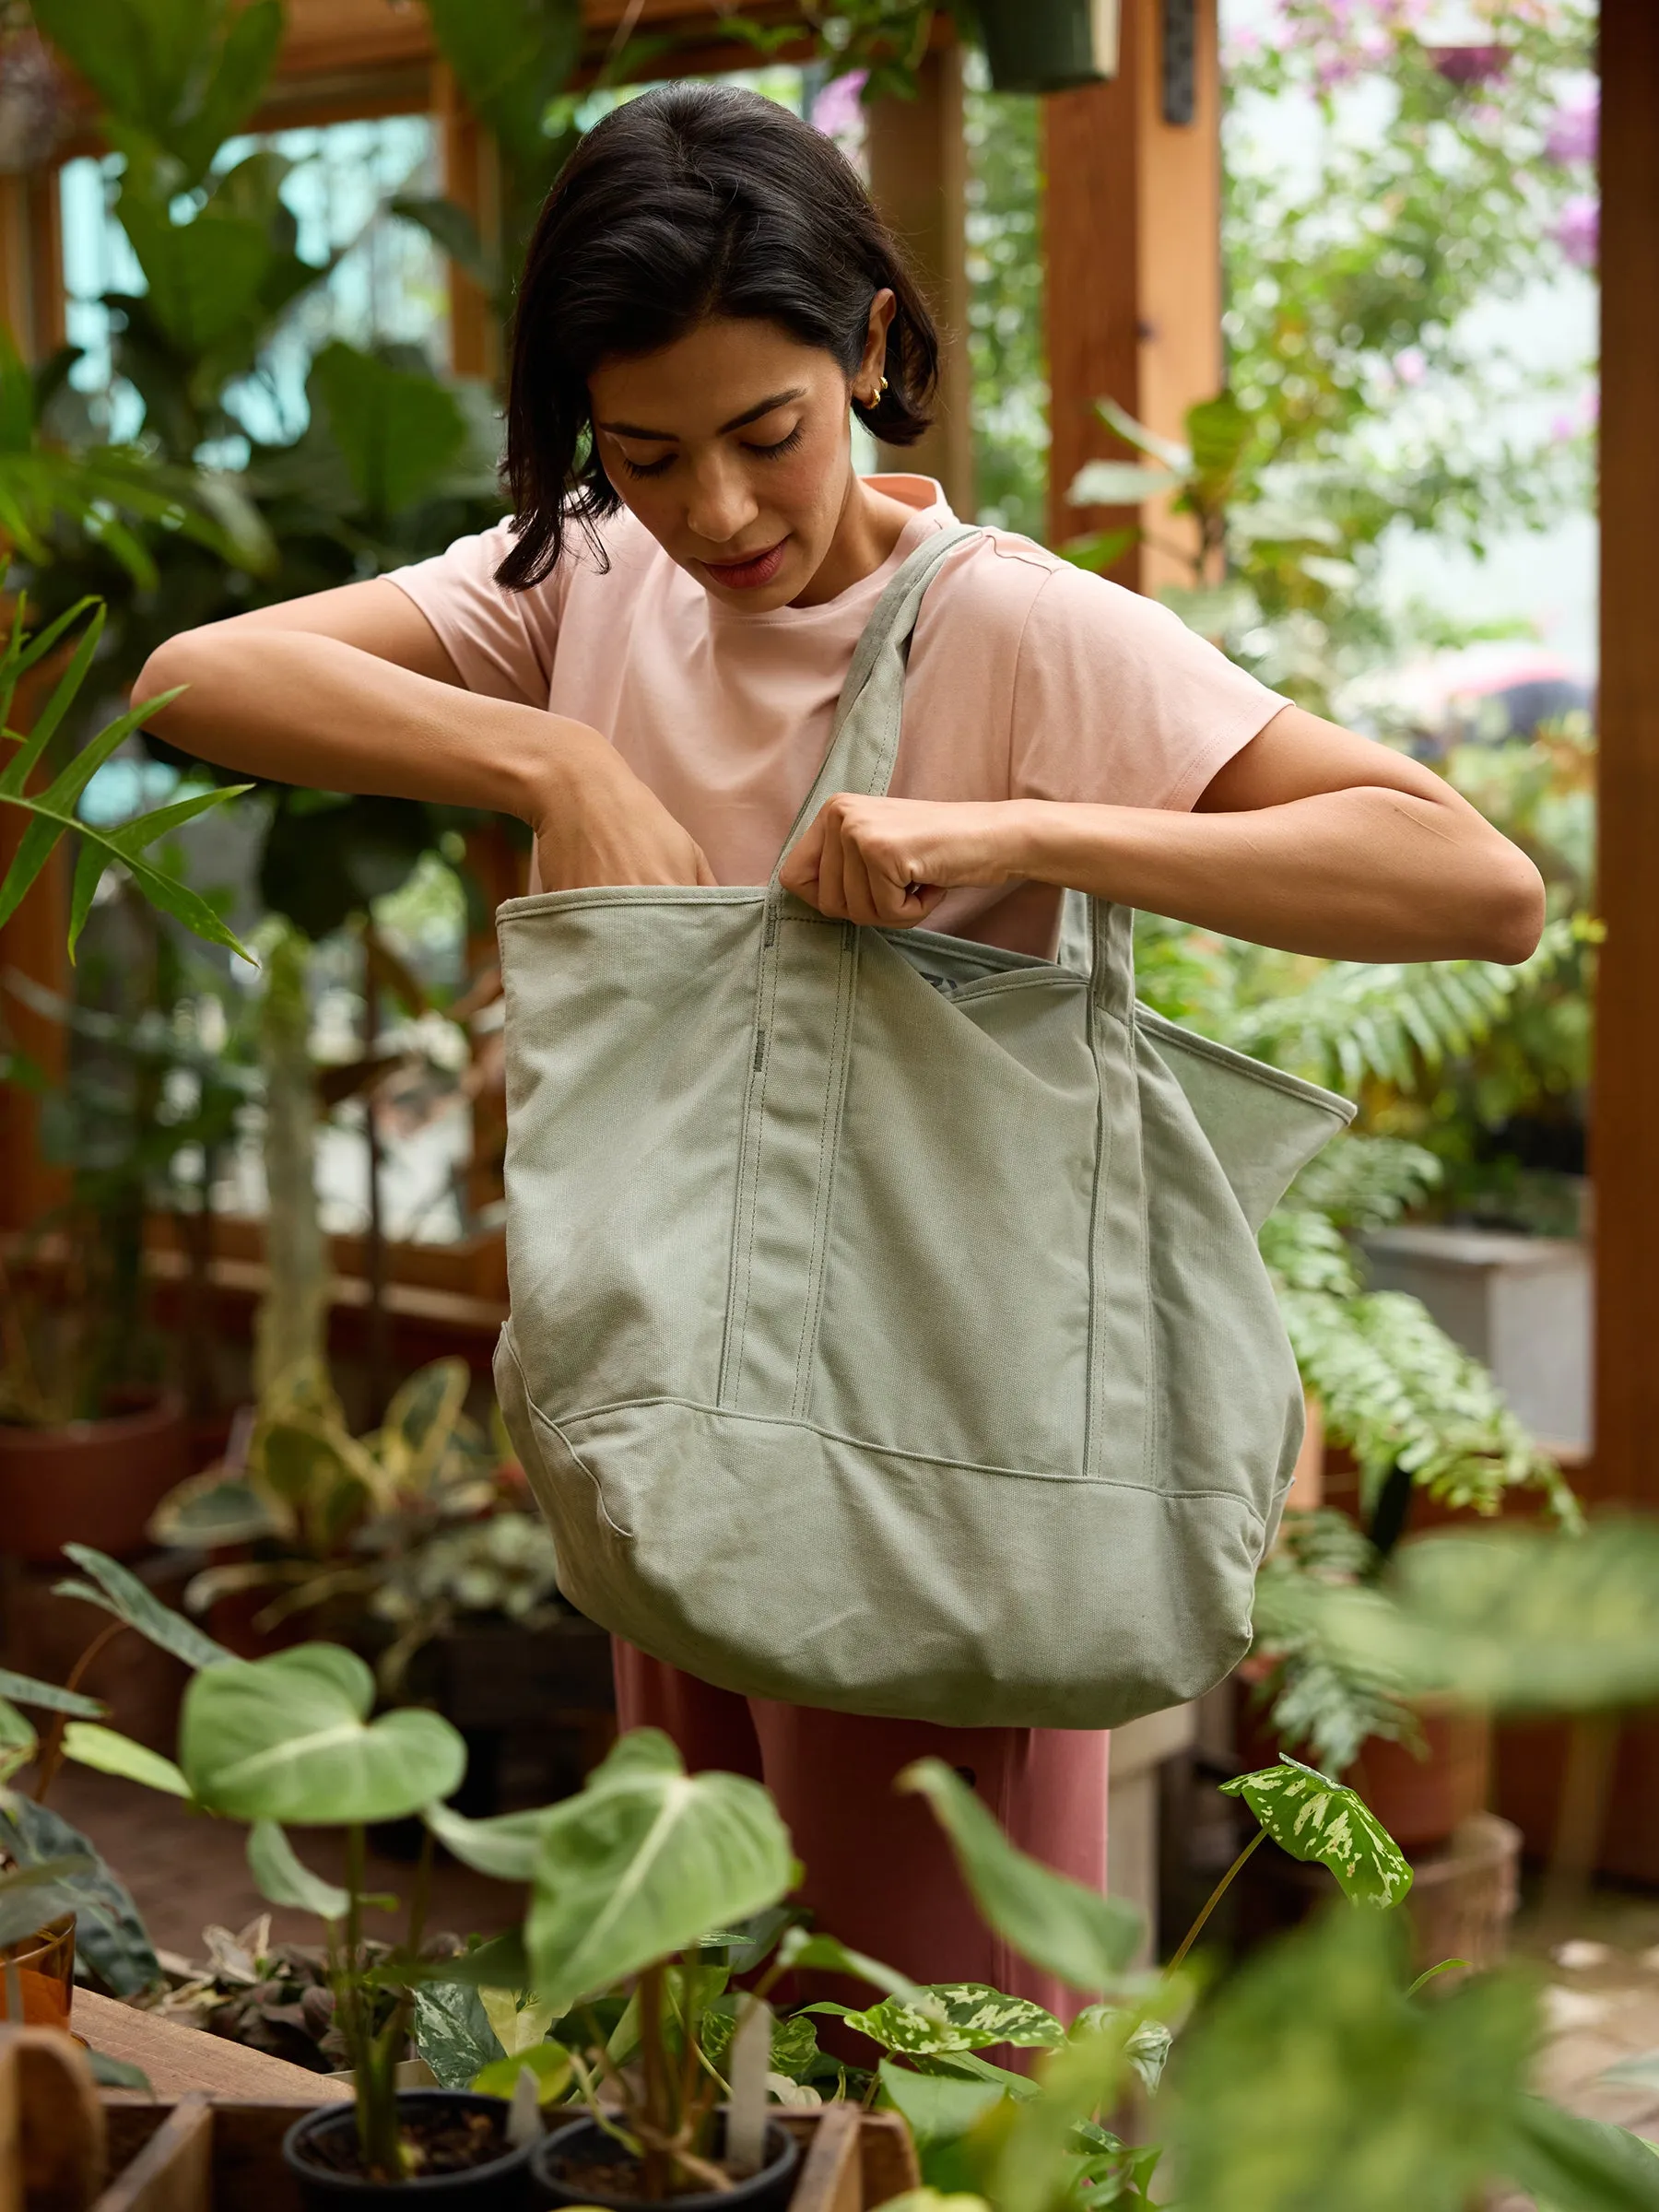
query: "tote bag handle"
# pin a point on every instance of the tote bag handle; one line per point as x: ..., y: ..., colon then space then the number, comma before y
x: 864, y: 747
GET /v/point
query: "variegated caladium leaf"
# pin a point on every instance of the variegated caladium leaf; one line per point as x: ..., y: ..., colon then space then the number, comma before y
x: 1313, y: 1818
x: 956, y: 2016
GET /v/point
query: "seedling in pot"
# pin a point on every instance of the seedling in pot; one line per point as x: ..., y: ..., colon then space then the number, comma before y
x: 634, y: 1882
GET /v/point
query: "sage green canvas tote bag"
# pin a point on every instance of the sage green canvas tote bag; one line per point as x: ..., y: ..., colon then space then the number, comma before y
x: 887, y: 1329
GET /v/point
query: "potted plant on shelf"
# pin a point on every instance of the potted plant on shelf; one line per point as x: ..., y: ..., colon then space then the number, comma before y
x: 419, y: 1545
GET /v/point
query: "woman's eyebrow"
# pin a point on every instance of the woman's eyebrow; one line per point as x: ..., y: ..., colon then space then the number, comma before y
x: 634, y: 430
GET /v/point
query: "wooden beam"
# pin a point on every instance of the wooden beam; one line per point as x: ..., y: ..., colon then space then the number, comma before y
x: 1133, y: 263
x: 919, y: 180
x: 1625, y: 1125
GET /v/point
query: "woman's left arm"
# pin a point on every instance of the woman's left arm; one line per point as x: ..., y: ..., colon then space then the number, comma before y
x: 1309, y: 839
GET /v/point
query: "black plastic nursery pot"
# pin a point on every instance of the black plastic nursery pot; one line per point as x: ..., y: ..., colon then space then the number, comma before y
x: 1048, y: 45
x: 499, y: 2185
x: 585, y: 2146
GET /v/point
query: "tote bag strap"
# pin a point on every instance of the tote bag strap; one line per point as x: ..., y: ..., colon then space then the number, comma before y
x: 863, y: 742
x: 864, y: 747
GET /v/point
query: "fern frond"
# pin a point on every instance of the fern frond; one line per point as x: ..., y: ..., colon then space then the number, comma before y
x: 1398, y: 1391
x: 1365, y: 1182
x: 1354, y: 1021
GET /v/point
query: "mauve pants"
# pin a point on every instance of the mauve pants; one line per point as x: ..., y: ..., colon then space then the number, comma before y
x: 879, y: 1873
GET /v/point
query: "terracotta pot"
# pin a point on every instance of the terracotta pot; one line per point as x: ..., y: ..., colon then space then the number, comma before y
x: 91, y: 1482
x: 1423, y: 1801
x: 37, y: 1976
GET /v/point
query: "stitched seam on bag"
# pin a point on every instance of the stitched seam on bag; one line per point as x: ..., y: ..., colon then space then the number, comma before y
x: 532, y: 903
x: 923, y: 1459
x: 1097, y: 1237
x: 1160, y: 1030
x: 835, y: 1098
x: 1153, y: 1393
x: 576, y: 1459
x: 754, y: 1139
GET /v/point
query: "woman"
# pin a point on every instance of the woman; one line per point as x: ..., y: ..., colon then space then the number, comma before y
x: 643, y: 665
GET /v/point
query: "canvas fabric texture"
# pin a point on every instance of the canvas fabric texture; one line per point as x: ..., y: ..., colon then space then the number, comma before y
x: 888, y: 1331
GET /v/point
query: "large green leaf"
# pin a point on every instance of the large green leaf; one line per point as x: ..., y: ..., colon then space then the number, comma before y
x: 397, y: 429
x: 1311, y: 2081
x: 1315, y: 1818
x: 954, y: 2016
x: 1571, y: 2164
x: 110, y: 1937
x: 289, y: 1739
x: 233, y: 90
x: 284, y: 1880
x: 204, y: 276
x: 1084, y: 1938
x: 118, y: 1590
x: 511, y: 58
x: 644, y: 1861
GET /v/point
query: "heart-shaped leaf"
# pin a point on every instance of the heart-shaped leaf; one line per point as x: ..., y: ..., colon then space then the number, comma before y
x: 1315, y: 1818
x: 644, y: 1861
x: 289, y: 1739
x: 1055, y: 1923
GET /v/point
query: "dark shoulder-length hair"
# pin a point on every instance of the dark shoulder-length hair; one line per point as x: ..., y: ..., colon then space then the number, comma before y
x: 692, y: 201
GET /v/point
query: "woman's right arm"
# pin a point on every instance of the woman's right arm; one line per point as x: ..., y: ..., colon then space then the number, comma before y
x: 353, y: 690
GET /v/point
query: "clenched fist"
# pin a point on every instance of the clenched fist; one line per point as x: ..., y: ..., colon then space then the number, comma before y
x: 889, y: 862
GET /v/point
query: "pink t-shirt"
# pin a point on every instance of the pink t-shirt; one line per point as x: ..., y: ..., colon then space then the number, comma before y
x: 1029, y: 679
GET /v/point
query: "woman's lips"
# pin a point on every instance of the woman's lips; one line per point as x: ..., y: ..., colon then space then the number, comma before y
x: 751, y: 574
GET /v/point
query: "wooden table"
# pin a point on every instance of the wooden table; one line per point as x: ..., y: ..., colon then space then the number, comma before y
x: 208, y: 2139
x: 178, y: 2060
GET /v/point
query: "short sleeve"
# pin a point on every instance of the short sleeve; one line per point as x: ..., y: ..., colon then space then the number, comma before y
x: 501, y: 642
x: 1117, y: 702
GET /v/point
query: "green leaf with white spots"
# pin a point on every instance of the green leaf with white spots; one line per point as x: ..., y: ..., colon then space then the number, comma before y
x: 956, y: 2016
x: 1315, y: 1818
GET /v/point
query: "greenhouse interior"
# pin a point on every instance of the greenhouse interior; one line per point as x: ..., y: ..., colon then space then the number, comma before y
x: 611, y: 1593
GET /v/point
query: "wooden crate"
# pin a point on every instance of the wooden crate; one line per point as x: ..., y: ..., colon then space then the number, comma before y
x: 65, y: 2148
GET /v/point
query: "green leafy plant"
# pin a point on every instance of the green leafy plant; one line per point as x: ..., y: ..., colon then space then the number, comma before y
x: 49, y: 814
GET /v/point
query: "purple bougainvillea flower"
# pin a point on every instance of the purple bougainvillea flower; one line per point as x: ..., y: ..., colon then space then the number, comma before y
x: 1470, y: 65
x: 1411, y: 365
x: 1578, y: 231
x: 835, y: 111
x: 1572, y: 134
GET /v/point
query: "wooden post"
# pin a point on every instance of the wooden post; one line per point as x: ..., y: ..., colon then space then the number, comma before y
x: 34, y: 943
x: 1133, y: 254
x: 919, y: 180
x: 1625, y: 1133
x: 472, y: 178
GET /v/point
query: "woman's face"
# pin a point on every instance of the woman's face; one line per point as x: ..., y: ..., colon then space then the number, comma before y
x: 734, y: 449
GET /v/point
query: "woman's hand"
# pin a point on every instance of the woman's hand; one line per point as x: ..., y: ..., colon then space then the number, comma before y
x: 599, y: 824
x: 889, y: 862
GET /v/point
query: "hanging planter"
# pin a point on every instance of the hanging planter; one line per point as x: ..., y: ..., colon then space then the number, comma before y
x: 1049, y: 45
